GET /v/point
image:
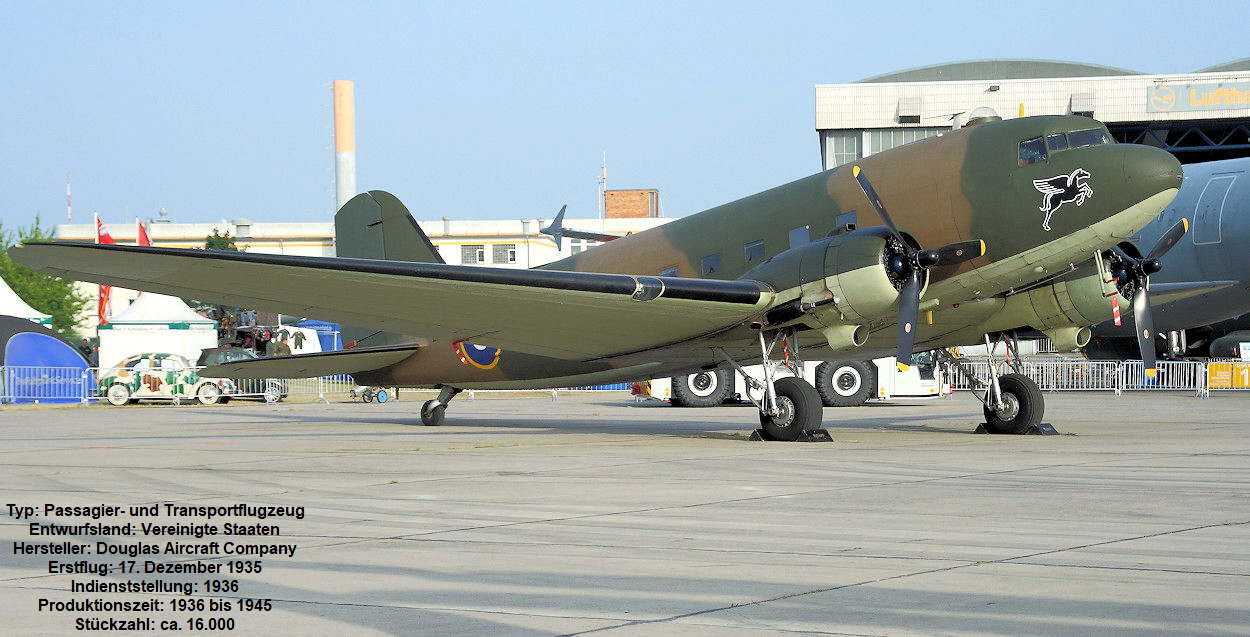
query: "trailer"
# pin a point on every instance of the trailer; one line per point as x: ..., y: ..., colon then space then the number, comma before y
x: 840, y: 383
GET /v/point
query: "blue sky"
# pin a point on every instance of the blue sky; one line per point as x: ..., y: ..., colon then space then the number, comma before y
x: 487, y: 110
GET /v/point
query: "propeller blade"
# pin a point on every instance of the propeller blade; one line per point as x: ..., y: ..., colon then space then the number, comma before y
x: 1145, y: 330
x: 960, y: 251
x: 1169, y: 239
x: 869, y: 192
x: 908, y: 317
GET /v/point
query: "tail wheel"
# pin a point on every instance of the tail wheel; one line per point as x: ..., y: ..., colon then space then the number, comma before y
x: 702, y: 389
x: 117, y: 395
x: 845, y: 383
x: 1022, y: 406
x: 431, y: 414
x: 208, y: 394
x: 799, y: 410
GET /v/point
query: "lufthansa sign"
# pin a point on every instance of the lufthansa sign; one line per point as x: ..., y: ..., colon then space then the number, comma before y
x: 1166, y: 98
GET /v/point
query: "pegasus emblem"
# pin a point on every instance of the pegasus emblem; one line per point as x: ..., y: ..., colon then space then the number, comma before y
x: 1057, y: 191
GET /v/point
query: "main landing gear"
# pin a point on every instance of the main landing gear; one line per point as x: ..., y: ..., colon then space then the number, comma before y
x: 433, y: 411
x: 790, y: 408
x: 1013, y: 403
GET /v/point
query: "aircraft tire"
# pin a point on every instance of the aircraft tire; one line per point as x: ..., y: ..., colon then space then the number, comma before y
x: 1023, y: 406
x: 800, y: 407
x: 117, y: 394
x: 208, y: 394
x: 845, y: 383
x: 702, y: 389
x: 432, y: 416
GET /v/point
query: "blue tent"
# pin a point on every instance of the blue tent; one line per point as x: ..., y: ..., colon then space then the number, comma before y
x: 40, y: 366
x: 327, y: 333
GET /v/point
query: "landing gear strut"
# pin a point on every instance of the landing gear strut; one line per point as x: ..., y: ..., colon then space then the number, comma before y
x: 790, y: 406
x: 1013, y: 403
x: 433, y: 411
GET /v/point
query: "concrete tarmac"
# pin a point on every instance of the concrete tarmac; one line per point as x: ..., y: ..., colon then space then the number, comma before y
x: 597, y: 514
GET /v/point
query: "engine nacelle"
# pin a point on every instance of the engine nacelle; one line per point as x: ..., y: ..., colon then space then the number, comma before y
x: 1074, y: 302
x: 842, y: 279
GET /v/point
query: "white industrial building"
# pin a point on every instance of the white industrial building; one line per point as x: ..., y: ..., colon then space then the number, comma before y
x: 1198, y: 116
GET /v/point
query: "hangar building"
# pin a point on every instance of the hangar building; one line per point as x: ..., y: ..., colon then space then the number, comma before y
x: 1199, y: 116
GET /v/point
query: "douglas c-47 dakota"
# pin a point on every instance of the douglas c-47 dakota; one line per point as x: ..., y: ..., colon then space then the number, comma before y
x: 982, y: 230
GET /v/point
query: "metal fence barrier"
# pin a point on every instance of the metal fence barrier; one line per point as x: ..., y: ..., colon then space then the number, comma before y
x: 1079, y: 375
x: 26, y: 384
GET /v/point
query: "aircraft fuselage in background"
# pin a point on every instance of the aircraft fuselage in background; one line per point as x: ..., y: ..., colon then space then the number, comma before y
x: 1216, y: 198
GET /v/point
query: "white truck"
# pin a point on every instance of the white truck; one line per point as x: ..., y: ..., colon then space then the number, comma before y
x: 843, y: 383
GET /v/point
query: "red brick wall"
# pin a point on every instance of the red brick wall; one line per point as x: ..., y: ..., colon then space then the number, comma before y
x: 620, y: 204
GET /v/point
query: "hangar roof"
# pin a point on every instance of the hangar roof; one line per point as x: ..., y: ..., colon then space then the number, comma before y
x: 1000, y: 70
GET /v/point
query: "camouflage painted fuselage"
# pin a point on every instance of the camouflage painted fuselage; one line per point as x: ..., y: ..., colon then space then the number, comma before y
x: 968, y: 184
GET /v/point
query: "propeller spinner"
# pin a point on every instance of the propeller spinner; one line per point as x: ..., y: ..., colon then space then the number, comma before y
x: 906, y: 266
x: 1132, y: 280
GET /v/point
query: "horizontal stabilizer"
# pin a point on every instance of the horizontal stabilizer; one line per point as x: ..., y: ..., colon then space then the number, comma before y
x: 347, y: 361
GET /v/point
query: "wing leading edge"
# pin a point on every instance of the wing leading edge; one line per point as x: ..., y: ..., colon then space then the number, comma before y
x: 571, y: 315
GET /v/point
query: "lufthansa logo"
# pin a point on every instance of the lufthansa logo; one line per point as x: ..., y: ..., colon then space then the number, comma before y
x: 1163, y: 98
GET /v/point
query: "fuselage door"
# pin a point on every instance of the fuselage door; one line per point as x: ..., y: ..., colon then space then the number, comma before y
x: 1210, y: 210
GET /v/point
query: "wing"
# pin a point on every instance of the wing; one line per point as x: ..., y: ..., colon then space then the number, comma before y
x: 1052, y: 185
x: 571, y: 315
x: 345, y: 361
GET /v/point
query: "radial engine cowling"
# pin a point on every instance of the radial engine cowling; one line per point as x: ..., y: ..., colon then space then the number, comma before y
x: 843, y: 280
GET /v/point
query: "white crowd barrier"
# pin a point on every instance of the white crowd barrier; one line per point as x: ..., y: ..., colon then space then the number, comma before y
x: 1114, y: 376
x: 76, y: 385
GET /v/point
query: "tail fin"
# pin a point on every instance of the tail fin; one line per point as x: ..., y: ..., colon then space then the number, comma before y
x: 376, y: 225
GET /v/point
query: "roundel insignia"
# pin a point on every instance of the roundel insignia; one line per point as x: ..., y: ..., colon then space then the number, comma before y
x: 477, y: 355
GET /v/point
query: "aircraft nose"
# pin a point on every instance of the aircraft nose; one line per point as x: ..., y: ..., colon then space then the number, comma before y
x: 1151, y: 170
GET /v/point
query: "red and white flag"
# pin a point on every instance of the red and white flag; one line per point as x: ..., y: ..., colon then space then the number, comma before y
x: 102, y: 236
x: 142, y: 234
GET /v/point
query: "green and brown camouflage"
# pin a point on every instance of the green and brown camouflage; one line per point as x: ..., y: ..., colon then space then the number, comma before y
x: 667, y: 301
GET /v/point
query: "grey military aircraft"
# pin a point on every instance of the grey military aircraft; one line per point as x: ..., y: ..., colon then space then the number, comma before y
x: 965, y: 243
x: 1213, y: 257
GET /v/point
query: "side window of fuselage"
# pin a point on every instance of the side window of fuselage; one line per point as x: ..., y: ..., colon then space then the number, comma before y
x: 753, y: 251
x: 669, y: 271
x: 1032, y: 151
x: 800, y: 236
x: 711, y: 264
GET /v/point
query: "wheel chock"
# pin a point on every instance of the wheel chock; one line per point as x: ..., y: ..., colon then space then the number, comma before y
x: 1041, y: 429
x: 809, y: 435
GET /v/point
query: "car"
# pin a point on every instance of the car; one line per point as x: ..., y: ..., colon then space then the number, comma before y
x: 160, y: 376
x: 270, y: 389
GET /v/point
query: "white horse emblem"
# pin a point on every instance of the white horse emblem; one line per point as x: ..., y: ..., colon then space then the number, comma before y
x: 1057, y: 191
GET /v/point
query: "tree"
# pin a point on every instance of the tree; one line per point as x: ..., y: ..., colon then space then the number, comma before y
x: 56, y: 297
x: 217, y: 241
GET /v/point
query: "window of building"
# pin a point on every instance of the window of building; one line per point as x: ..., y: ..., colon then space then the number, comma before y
x: 1058, y: 141
x: 472, y: 254
x: 1032, y: 151
x: 576, y: 246
x: 883, y: 140
x: 841, y: 147
x: 754, y: 250
x: 1088, y: 137
x: 711, y: 264
x: 669, y: 271
x: 800, y: 236
x: 505, y: 253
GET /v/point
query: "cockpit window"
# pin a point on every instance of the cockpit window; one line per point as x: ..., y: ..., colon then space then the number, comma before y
x: 1089, y: 137
x: 1056, y: 142
x: 1032, y: 151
